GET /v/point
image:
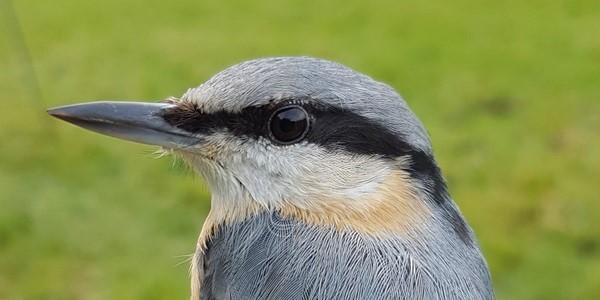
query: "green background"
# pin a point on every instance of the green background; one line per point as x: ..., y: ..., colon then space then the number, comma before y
x: 509, y: 91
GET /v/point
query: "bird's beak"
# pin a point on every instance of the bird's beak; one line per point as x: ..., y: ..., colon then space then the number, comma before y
x: 133, y: 121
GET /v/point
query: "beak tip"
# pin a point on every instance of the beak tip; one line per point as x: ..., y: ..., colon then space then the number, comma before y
x: 57, y: 112
x: 52, y: 111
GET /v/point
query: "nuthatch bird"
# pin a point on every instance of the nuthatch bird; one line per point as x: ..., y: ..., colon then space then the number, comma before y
x: 324, y: 185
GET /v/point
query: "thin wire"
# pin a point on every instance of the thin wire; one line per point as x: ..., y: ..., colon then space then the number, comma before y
x: 30, y: 77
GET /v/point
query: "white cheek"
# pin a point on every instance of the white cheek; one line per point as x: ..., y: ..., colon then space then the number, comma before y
x: 302, y: 173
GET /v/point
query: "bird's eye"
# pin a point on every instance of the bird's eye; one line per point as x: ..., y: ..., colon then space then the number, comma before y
x: 288, y: 124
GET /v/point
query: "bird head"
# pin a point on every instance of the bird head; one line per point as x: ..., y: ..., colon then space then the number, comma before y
x: 310, y: 139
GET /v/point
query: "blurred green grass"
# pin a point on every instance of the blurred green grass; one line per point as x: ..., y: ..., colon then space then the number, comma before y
x: 509, y: 91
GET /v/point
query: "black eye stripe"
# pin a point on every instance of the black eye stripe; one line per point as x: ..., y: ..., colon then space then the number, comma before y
x: 250, y: 122
x: 331, y: 127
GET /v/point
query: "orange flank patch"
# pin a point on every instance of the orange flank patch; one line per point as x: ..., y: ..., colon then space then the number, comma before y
x: 393, y: 208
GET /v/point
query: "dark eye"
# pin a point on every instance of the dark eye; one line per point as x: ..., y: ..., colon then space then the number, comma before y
x: 288, y: 124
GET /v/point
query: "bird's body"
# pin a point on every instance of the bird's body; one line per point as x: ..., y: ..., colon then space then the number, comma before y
x: 272, y: 257
x: 323, y: 182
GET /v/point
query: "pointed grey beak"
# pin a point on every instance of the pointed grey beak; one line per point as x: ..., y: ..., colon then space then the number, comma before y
x: 133, y: 121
